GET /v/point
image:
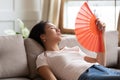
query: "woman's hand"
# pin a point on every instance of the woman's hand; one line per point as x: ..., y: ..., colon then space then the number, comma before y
x: 101, y: 25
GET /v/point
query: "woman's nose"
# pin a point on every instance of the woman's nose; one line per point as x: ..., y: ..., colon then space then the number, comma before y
x: 58, y: 30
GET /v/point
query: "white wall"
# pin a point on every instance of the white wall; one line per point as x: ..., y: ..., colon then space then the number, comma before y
x: 29, y: 11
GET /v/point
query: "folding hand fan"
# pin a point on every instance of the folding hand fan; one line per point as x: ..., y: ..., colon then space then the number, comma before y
x: 86, y: 30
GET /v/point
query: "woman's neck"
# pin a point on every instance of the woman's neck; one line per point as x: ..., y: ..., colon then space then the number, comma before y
x: 52, y: 48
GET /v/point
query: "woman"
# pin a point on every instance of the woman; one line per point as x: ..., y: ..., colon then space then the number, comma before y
x: 67, y: 63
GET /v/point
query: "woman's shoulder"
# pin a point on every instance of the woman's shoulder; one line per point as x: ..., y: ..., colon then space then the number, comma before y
x: 41, y: 55
x: 41, y: 60
x: 68, y: 47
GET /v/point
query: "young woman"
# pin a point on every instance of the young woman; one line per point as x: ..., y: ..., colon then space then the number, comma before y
x: 67, y: 63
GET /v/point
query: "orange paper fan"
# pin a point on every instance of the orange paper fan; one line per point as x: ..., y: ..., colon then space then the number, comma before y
x: 86, y: 30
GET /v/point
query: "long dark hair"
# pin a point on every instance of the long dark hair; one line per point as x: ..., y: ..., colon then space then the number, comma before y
x: 37, y: 30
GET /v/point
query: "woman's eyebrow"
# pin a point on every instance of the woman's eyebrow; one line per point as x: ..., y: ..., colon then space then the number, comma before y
x: 52, y: 26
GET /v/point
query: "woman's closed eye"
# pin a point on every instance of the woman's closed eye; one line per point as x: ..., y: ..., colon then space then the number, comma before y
x: 54, y: 28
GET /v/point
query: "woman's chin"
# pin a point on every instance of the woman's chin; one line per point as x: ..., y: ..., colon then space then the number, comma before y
x: 60, y: 38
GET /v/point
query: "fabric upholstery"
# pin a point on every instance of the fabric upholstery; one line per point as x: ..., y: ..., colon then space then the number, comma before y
x: 33, y: 49
x: 111, y: 43
x: 118, y: 66
x: 16, y: 79
x: 13, y: 61
x: 37, y: 79
x: 118, y: 29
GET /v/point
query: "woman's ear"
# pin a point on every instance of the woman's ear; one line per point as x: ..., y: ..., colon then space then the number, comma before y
x: 42, y: 37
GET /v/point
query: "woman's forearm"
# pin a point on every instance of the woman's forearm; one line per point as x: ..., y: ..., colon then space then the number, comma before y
x: 101, y: 58
x: 90, y: 59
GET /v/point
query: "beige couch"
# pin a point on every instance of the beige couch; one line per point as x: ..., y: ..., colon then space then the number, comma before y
x: 17, y: 56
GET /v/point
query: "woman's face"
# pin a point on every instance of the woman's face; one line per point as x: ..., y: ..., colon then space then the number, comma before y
x: 52, y: 33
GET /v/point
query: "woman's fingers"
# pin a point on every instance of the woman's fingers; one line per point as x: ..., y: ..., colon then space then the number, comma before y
x: 101, y: 25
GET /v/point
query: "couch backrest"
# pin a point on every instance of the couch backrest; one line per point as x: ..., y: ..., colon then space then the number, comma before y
x: 33, y: 49
x: 13, y: 61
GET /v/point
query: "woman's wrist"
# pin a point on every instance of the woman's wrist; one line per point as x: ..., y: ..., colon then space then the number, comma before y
x: 101, y: 58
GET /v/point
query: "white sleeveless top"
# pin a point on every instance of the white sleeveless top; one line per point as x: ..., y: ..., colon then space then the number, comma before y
x: 66, y: 64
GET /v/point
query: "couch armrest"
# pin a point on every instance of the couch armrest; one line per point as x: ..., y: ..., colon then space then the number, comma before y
x: 111, y: 44
x: 118, y: 57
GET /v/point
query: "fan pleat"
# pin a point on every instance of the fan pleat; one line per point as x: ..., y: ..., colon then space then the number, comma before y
x: 90, y: 42
x: 83, y: 23
x: 88, y: 38
x: 84, y: 12
x: 82, y: 19
x: 101, y: 42
x: 94, y: 42
x: 86, y: 8
x: 83, y: 37
x: 82, y: 26
x: 81, y: 31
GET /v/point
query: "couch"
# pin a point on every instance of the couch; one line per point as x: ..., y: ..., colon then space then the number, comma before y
x: 18, y: 55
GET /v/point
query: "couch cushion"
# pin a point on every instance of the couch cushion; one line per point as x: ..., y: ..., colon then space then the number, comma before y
x: 13, y: 61
x: 111, y: 42
x: 15, y: 79
x: 33, y: 49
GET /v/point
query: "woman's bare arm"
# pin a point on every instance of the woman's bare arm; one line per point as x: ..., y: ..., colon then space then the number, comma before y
x: 100, y: 59
x: 90, y: 59
x: 101, y: 56
x: 46, y: 73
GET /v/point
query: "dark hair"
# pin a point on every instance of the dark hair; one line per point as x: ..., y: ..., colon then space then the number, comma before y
x: 37, y: 30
